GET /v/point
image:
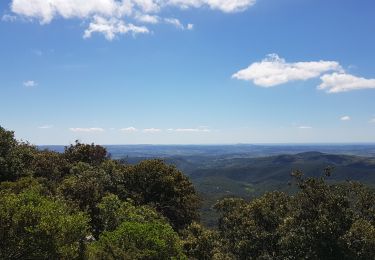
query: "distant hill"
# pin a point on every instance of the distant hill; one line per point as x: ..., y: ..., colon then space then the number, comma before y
x: 234, y: 150
x: 216, y: 178
x: 278, y: 168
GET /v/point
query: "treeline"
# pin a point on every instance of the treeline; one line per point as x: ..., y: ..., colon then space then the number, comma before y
x: 81, y: 204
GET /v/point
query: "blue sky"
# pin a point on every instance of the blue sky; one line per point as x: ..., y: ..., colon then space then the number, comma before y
x: 188, y: 71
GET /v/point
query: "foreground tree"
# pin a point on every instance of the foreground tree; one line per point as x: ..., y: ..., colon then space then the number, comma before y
x: 320, y: 221
x: 134, y: 232
x: 88, y: 153
x: 15, y: 157
x: 163, y: 187
x: 250, y: 229
x: 200, y: 243
x: 33, y: 226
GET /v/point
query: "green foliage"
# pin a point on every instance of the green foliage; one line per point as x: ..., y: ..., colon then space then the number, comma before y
x: 359, y: 241
x: 134, y: 232
x: 201, y: 243
x: 7, y: 142
x: 88, y: 153
x: 85, y: 186
x: 136, y: 240
x: 250, y: 229
x: 50, y: 165
x: 320, y: 221
x: 33, y: 226
x: 25, y: 183
x: 165, y: 188
x: 15, y: 157
x: 113, y: 211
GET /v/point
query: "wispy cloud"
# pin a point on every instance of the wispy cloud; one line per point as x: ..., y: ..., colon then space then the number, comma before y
x: 151, y: 130
x: 38, y: 52
x: 30, y: 83
x: 112, y: 27
x: 87, y: 130
x: 345, y: 118
x: 8, y: 18
x: 110, y: 17
x: 129, y: 129
x: 372, y: 120
x: 45, y: 126
x: 305, y: 127
x: 190, y: 130
x: 175, y: 22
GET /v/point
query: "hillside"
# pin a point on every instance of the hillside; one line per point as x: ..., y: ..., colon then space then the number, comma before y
x: 216, y: 178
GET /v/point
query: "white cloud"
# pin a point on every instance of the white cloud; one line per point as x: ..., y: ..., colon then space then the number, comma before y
x: 129, y: 129
x: 230, y: 6
x: 175, y: 22
x: 227, y: 6
x: 91, y: 129
x: 345, y: 118
x: 46, y: 11
x: 115, y: 12
x: 30, y: 83
x: 372, y: 121
x: 148, y: 6
x: 191, y: 130
x: 146, y: 18
x: 273, y: 71
x: 304, y: 127
x: 342, y: 82
x: 151, y: 130
x: 111, y: 27
x: 45, y: 126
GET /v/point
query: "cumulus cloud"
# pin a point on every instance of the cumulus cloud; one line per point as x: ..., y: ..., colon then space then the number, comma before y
x: 115, y: 14
x: 342, y: 82
x: 345, y: 118
x: 151, y: 130
x: 30, y: 83
x: 46, y: 11
x: 129, y: 129
x: 87, y: 130
x: 273, y: 71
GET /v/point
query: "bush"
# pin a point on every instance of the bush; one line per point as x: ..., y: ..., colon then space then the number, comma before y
x: 33, y: 226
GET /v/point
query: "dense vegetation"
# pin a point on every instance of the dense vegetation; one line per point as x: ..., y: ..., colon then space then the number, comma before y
x: 80, y: 204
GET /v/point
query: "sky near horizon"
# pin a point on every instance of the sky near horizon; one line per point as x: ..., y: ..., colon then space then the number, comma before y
x: 188, y: 71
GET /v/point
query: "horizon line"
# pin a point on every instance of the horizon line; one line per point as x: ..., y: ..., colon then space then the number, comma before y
x: 225, y: 144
